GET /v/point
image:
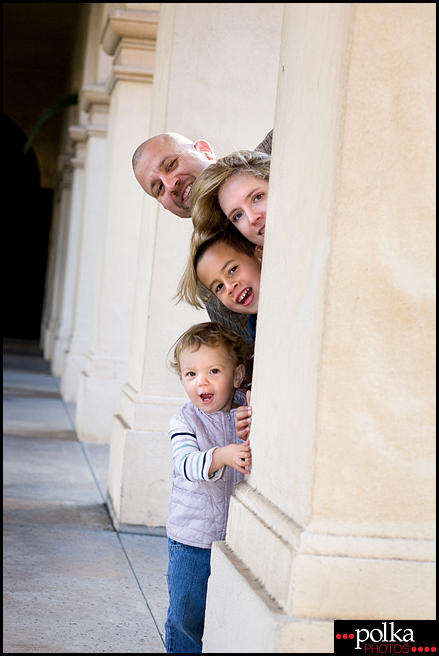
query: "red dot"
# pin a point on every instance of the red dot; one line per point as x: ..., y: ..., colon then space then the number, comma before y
x: 351, y: 635
x: 414, y: 649
x: 338, y: 636
x: 427, y: 649
x: 433, y: 649
x: 345, y: 635
x: 420, y: 648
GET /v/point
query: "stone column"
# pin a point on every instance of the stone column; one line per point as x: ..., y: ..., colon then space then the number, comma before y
x: 72, y: 254
x: 57, y: 256
x: 130, y: 37
x: 201, y: 93
x: 94, y: 101
x: 336, y: 520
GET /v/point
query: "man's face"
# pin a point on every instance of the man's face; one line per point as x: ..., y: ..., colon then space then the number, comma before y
x: 232, y: 276
x: 168, y: 169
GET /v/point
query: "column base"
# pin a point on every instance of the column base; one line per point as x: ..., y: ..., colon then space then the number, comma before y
x: 242, y: 618
x: 331, y: 576
x: 72, y: 366
x: 59, y: 347
x: 139, y: 479
x: 98, y: 401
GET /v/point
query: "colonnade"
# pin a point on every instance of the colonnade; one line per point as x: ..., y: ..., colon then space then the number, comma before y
x: 336, y: 519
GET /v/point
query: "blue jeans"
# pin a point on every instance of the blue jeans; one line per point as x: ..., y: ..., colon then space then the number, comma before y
x: 188, y: 573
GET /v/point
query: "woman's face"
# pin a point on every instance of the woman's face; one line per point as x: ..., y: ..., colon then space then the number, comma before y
x: 243, y: 199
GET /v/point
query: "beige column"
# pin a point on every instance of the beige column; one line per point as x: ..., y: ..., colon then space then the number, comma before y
x: 129, y: 36
x: 57, y: 256
x: 48, y: 283
x: 200, y: 92
x: 337, y: 518
x: 72, y: 254
x: 94, y: 102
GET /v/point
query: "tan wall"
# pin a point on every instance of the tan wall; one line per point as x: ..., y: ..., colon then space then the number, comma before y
x: 336, y: 519
x: 376, y: 413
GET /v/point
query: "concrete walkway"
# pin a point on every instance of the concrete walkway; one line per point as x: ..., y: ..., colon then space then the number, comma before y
x: 71, y: 583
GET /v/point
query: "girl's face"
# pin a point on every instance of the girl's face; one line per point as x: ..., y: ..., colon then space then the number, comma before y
x: 232, y: 276
x: 243, y: 199
x: 210, y: 378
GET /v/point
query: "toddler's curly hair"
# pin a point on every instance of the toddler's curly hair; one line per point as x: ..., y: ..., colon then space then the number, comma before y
x: 213, y: 334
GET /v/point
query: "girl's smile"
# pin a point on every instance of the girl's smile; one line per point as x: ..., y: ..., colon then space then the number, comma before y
x: 232, y: 276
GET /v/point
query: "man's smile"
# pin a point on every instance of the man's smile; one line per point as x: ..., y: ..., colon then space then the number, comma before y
x: 186, y: 192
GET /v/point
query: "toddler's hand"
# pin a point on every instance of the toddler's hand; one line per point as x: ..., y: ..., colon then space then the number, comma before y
x: 238, y: 456
x: 243, y: 419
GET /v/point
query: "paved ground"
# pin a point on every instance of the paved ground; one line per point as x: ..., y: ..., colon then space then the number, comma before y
x: 71, y: 583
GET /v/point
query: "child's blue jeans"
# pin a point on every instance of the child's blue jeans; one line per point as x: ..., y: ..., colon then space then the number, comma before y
x: 188, y: 573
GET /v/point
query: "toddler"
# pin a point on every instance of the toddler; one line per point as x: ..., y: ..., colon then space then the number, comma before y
x: 209, y: 459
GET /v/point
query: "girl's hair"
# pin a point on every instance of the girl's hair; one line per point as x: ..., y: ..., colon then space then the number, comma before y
x: 211, y: 334
x: 207, y: 215
x: 190, y: 288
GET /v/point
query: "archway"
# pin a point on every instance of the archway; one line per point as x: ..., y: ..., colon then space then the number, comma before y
x: 27, y: 214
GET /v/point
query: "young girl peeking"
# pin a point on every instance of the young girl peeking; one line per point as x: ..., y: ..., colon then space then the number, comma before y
x: 209, y: 459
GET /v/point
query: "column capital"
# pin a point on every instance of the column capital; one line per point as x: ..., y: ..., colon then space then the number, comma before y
x: 78, y: 137
x: 93, y: 94
x: 133, y: 61
x: 130, y: 36
x: 95, y: 101
x: 131, y: 24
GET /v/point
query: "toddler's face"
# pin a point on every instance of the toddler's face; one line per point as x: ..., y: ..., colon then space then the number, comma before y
x: 232, y: 276
x: 243, y: 199
x: 210, y: 377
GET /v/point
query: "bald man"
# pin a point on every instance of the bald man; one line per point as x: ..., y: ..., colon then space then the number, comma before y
x: 167, y: 165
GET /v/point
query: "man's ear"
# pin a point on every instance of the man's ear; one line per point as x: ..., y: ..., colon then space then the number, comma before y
x: 239, y: 376
x: 205, y: 148
x: 259, y: 251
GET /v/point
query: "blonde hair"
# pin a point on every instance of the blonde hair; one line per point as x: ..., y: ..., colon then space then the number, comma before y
x: 207, y: 215
x: 190, y: 289
x: 209, y: 219
x: 211, y: 334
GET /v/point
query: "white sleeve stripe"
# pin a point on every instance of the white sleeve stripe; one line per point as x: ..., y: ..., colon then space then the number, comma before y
x: 189, y: 461
x: 183, y: 446
x: 195, y: 466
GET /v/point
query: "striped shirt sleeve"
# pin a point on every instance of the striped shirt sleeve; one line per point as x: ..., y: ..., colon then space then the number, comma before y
x: 192, y: 463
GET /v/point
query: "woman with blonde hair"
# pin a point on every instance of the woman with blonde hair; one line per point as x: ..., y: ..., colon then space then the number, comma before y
x: 235, y: 189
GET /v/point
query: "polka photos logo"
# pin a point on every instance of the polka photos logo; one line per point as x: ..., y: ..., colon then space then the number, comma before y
x: 373, y: 637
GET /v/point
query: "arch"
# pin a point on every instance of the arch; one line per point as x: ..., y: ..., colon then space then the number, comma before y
x: 27, y: 211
